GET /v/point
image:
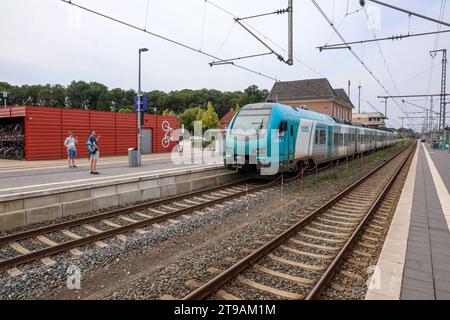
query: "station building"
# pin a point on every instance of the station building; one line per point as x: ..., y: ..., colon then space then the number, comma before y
x: 370, y: 119
x: 316, y: 95
x: 44, y: 130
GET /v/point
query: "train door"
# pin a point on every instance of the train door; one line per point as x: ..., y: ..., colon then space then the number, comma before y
x: 291, y: 142
x: 330, y: 143
x: 320, y: 149
x: 303, y: 142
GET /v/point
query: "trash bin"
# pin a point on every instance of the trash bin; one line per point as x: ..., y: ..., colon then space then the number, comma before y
x: 133, y: 157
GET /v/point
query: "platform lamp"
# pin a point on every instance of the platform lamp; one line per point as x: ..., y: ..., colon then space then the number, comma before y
x: 5, y: 95
x: 139, y: 102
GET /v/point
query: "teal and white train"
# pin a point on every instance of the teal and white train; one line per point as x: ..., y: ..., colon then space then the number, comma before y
x: 273, y: 135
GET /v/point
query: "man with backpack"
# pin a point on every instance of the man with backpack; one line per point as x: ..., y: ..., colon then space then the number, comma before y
x: 92, y: 147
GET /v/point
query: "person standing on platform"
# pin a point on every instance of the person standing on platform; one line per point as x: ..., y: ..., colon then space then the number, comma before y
x: 94, y: 152
x: 70, y: 144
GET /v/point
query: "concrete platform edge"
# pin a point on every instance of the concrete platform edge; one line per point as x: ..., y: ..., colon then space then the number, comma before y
x: 389, y: 268
x: 61, y: 203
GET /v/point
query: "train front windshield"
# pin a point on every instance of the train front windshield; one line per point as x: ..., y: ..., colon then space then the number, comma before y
x: 249, y: 120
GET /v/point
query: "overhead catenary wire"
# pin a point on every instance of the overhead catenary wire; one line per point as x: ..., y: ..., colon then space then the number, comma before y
x: 392, y: 38
x: 220, y: 8
x: 324, y: 15
x: 165, y: 38
x: 146, y: 14
x: 409, y: 12
x: 436, y: 43
x: 382, y: 54
x: 203, y: 26
x: 178, y: 43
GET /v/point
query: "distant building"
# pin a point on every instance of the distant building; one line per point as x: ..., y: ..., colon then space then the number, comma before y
x: 374, y: 119
x: 226, y: 119
x: 316, y: 95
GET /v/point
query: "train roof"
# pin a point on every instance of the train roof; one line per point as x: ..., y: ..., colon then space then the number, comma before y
x: 290, y: 110
x: 304, y: 113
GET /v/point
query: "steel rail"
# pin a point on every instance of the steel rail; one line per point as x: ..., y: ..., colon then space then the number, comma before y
x: 332, y: 268
x: 215, y: 283
x: 110, y: 214
x: 48, y: 251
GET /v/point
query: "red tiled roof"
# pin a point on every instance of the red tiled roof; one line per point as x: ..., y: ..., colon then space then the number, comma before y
x: 226, y: 119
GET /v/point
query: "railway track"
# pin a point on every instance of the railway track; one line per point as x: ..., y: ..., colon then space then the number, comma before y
x: 41, y: 243
x: 357, y: 271
x: 298, y: 263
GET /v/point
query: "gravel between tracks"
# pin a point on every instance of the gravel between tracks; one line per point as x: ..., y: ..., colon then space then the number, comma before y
x: 50, y: 282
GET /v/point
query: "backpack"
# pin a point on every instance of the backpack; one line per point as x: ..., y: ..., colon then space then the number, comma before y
x: 90, y: 147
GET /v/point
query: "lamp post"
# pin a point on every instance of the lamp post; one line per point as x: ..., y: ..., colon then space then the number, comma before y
x: 139, y: 106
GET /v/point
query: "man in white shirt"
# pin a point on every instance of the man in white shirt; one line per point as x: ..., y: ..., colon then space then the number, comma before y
x: 70, y: 143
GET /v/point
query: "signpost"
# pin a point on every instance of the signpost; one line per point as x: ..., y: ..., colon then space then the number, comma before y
x: 143, y: 101
x: 139, y: 101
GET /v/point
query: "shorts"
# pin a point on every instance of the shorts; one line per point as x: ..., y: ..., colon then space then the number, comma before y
x: 71, y: 153
x: 95, y: 156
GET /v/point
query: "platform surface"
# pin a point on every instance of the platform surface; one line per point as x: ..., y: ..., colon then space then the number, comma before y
x: 427, y: 265
x: 415, y: 261
x: 26, y: 176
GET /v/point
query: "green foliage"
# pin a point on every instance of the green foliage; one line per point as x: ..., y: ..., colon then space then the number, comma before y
x: 126, y: 109
x: 209, y: 118
x: 167, y: 112
x: 96, y: 96
x: 200, y: 114
x: 188, y: 117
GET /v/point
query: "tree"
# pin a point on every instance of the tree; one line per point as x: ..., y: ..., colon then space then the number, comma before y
x: 97, y: 97
x: 188, y: 117
x: 210, y: 119
x: 167, y: 112
x: 118, y: 98
x: 78, y: 95
x: 200, y: 114
x: 126, y: 109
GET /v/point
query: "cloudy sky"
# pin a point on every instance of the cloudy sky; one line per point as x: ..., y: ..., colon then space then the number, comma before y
x: 49, y: 41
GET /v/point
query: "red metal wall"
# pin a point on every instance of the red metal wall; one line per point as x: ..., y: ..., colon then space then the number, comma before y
x: 43, y: 136
x: 46, y: 129
x: 76, y: 121
x: 162, y: 144
x: 126, y: 132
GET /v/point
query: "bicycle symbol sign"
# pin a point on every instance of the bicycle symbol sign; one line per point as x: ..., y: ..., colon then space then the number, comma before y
x: 168, y: 134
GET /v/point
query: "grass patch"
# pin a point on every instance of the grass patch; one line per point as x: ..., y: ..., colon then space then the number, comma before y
x: 348, y: 170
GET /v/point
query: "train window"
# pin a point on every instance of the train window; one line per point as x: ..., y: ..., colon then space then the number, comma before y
x: 322, y: 137
x: 316, y: 137
x: 336, y: 139
x: 292, y: 130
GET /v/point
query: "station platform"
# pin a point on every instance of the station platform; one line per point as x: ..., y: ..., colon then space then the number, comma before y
x: 38, y: 191
x: 17, y: 177
x: 415, y: 261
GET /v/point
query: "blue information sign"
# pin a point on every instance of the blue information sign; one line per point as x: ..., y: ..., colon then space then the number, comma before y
x: 144, y: 103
